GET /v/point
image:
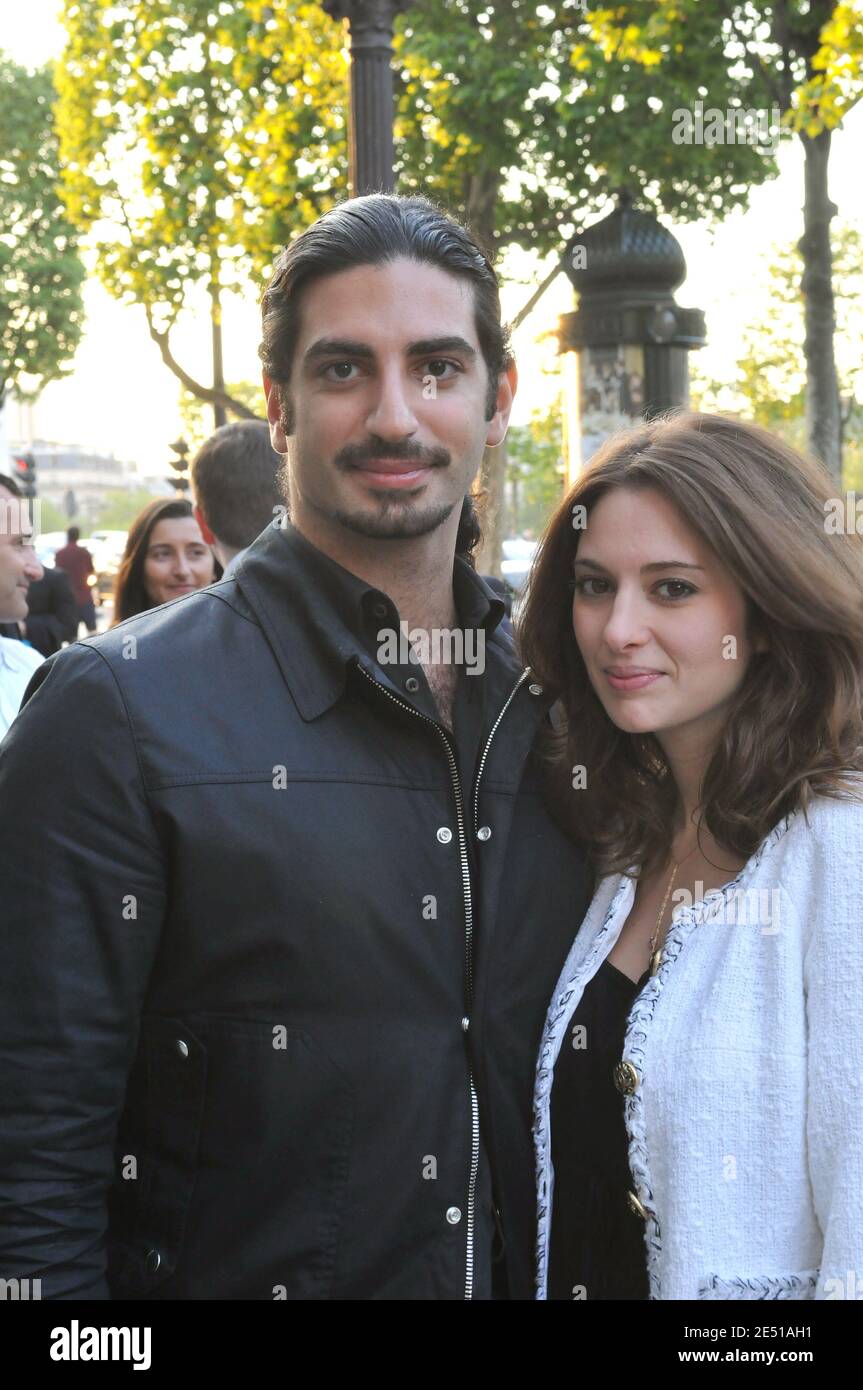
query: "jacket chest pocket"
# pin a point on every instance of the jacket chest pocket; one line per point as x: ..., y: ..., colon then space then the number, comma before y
x: 245, y: 1129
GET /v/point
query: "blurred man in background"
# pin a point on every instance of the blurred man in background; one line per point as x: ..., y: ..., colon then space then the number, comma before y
x: 77, y: 561
x: 18, y: 568
x: 234, y: 481
x: 52, y: 616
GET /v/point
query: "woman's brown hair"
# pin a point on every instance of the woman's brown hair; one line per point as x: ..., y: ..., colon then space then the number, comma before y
x: 130, y: 595
x: 795, y: 725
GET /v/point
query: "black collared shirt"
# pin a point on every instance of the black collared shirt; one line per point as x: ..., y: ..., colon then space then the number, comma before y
x: 358, y: 617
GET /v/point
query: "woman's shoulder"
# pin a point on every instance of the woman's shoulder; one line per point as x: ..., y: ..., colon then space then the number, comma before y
x: 831, y: 823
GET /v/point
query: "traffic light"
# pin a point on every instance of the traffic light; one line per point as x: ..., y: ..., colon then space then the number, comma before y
x: 25, y: 473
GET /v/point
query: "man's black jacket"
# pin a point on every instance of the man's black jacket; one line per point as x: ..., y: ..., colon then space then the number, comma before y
x: 273, y: 972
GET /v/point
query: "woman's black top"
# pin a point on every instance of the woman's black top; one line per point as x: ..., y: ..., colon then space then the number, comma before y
x: 597, y: 1242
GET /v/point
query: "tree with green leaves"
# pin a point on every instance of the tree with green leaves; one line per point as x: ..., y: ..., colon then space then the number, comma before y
x: 41, y: 310
x: 194, y: 147
x: 209, y: 135
x: 804, y: 57
x: 525, y: 122
x: 768, y: 384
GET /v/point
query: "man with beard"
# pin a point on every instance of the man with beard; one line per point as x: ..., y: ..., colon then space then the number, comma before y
x: 294, y: 930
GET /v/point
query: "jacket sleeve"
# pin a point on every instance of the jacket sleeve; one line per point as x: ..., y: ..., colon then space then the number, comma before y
x: 83, y: 892
x: 833, y: 975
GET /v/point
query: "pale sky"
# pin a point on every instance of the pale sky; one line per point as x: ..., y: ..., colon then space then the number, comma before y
x: 120, y: 397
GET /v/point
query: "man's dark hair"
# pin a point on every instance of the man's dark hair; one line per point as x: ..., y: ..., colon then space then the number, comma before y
x: 73, y: 533
x: 374, y: 230
x: 10, y: 485
x: 235, y: 481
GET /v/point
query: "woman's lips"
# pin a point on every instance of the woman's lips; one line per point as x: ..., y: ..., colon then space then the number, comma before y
x: 637, y: 681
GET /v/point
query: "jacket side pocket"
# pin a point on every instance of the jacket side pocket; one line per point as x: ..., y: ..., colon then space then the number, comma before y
x: 799, y: 1285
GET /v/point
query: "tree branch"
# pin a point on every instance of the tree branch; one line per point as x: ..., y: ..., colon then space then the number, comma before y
x: 775, y: 90
x: 212, y: 395
x: 204, y: 393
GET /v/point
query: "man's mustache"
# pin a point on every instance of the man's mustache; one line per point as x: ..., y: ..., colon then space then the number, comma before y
x: 355, y: 455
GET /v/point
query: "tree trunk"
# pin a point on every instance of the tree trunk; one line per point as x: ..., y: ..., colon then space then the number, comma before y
x: 219, y: 414
x: 823, y: 423
x: 480, y: 205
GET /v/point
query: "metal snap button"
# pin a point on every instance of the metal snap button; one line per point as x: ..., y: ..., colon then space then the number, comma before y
x: 453, y: 1216
x: 182, y: 1047
x: 535, y: 689
x: 626, y: 1078
x: 379, y: 610
x: 484, y: 832
x: 412, y: 685
x: 152, y: 1261
x: 635, y: 1206
x: 444, y: 834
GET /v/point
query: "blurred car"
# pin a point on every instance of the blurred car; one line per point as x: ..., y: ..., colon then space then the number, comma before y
x: 515, y: 564
x: 516, y: 560
x: 46, y: 546
x: 107, y: 548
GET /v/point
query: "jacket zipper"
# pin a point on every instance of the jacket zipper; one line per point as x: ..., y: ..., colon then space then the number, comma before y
x: 468, y: 912
x: 494, y: 728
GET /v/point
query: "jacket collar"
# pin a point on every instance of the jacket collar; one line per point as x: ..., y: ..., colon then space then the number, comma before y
x: 319, y: 618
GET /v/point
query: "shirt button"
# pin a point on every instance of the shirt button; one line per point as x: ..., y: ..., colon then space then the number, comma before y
x: 465, y: 1024
x: 453, y: 1216
x: 182, y: 1047
x: 412, y: 685
x: 484, y: 832
x: 444, y: 834
x: 626, y: 1078
x: 535, y: 689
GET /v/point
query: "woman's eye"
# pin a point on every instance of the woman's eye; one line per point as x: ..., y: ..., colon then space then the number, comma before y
x: 678, y: 584
x: 581, y: 587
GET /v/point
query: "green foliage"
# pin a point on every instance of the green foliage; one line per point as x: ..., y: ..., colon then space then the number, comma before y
x: 51, y: 517
x: 769, y: 377
x: 533, y: 94
x: 535, y: 471
x: 194, y: 142
x: 119, y: 508
x: 41, y: 312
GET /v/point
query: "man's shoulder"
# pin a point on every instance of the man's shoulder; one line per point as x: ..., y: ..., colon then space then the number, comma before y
x: 192, y: 618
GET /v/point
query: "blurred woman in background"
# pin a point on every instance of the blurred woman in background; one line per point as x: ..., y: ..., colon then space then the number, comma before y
x: 166, y: 557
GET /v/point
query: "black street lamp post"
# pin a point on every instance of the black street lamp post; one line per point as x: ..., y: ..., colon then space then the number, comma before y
x: 371, y: 124
x: 627, y: 345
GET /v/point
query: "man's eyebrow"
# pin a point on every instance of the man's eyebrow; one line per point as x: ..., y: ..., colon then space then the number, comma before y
x: 423, y: 347
x: 645, y: 569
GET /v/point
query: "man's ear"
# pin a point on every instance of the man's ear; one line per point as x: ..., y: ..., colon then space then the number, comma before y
x: 506, y: 389
x: 274, y: 415
x: 205, y: 530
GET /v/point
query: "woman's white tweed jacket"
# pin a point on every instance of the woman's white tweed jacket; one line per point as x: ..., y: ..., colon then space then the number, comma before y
x: 746, y: 1123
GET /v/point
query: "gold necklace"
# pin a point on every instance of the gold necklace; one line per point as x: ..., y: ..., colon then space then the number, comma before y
x: 655, y: 949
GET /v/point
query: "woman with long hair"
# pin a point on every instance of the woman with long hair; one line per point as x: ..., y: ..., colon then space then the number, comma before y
x: 698, y: 1115
x: 165, y: 557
